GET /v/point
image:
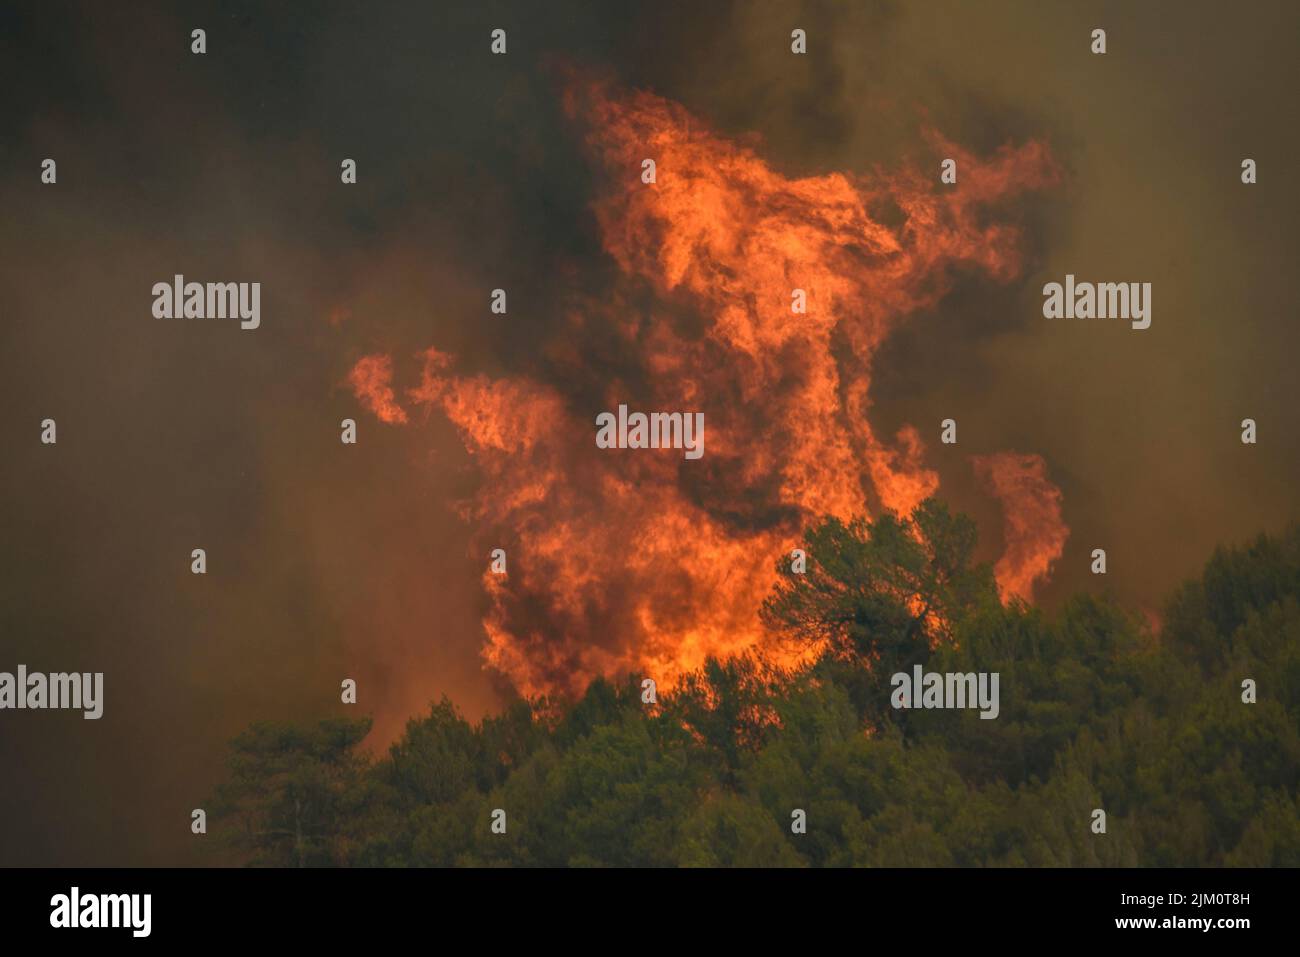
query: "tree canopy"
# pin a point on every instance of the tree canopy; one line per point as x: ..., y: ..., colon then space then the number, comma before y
x: 1098, y: 711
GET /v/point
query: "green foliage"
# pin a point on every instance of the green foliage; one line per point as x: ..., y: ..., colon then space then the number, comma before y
x: 881, y: 593
x: 1096, y: 712
x: 295, y: 794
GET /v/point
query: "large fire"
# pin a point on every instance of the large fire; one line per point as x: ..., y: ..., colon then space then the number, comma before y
x: 644, y: 562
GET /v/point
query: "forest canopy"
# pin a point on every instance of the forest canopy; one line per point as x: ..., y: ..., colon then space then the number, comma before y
x: 1099, y: 711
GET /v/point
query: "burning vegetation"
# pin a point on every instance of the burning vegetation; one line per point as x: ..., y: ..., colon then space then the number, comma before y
x: 776, y: 295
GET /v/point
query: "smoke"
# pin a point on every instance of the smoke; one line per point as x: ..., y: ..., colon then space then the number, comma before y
x: 369, y: 561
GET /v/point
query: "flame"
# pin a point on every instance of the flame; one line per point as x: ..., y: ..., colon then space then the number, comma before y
x: 639, y: 560
x: 1034, y: 533
x: 371, y: 379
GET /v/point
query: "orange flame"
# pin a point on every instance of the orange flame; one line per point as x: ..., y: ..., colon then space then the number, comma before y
x: 371, y: 379
x: 1034, y: 533
x: 643, y: 561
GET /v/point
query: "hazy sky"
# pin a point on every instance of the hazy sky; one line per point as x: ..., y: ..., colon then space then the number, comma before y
x: 327, y: 561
